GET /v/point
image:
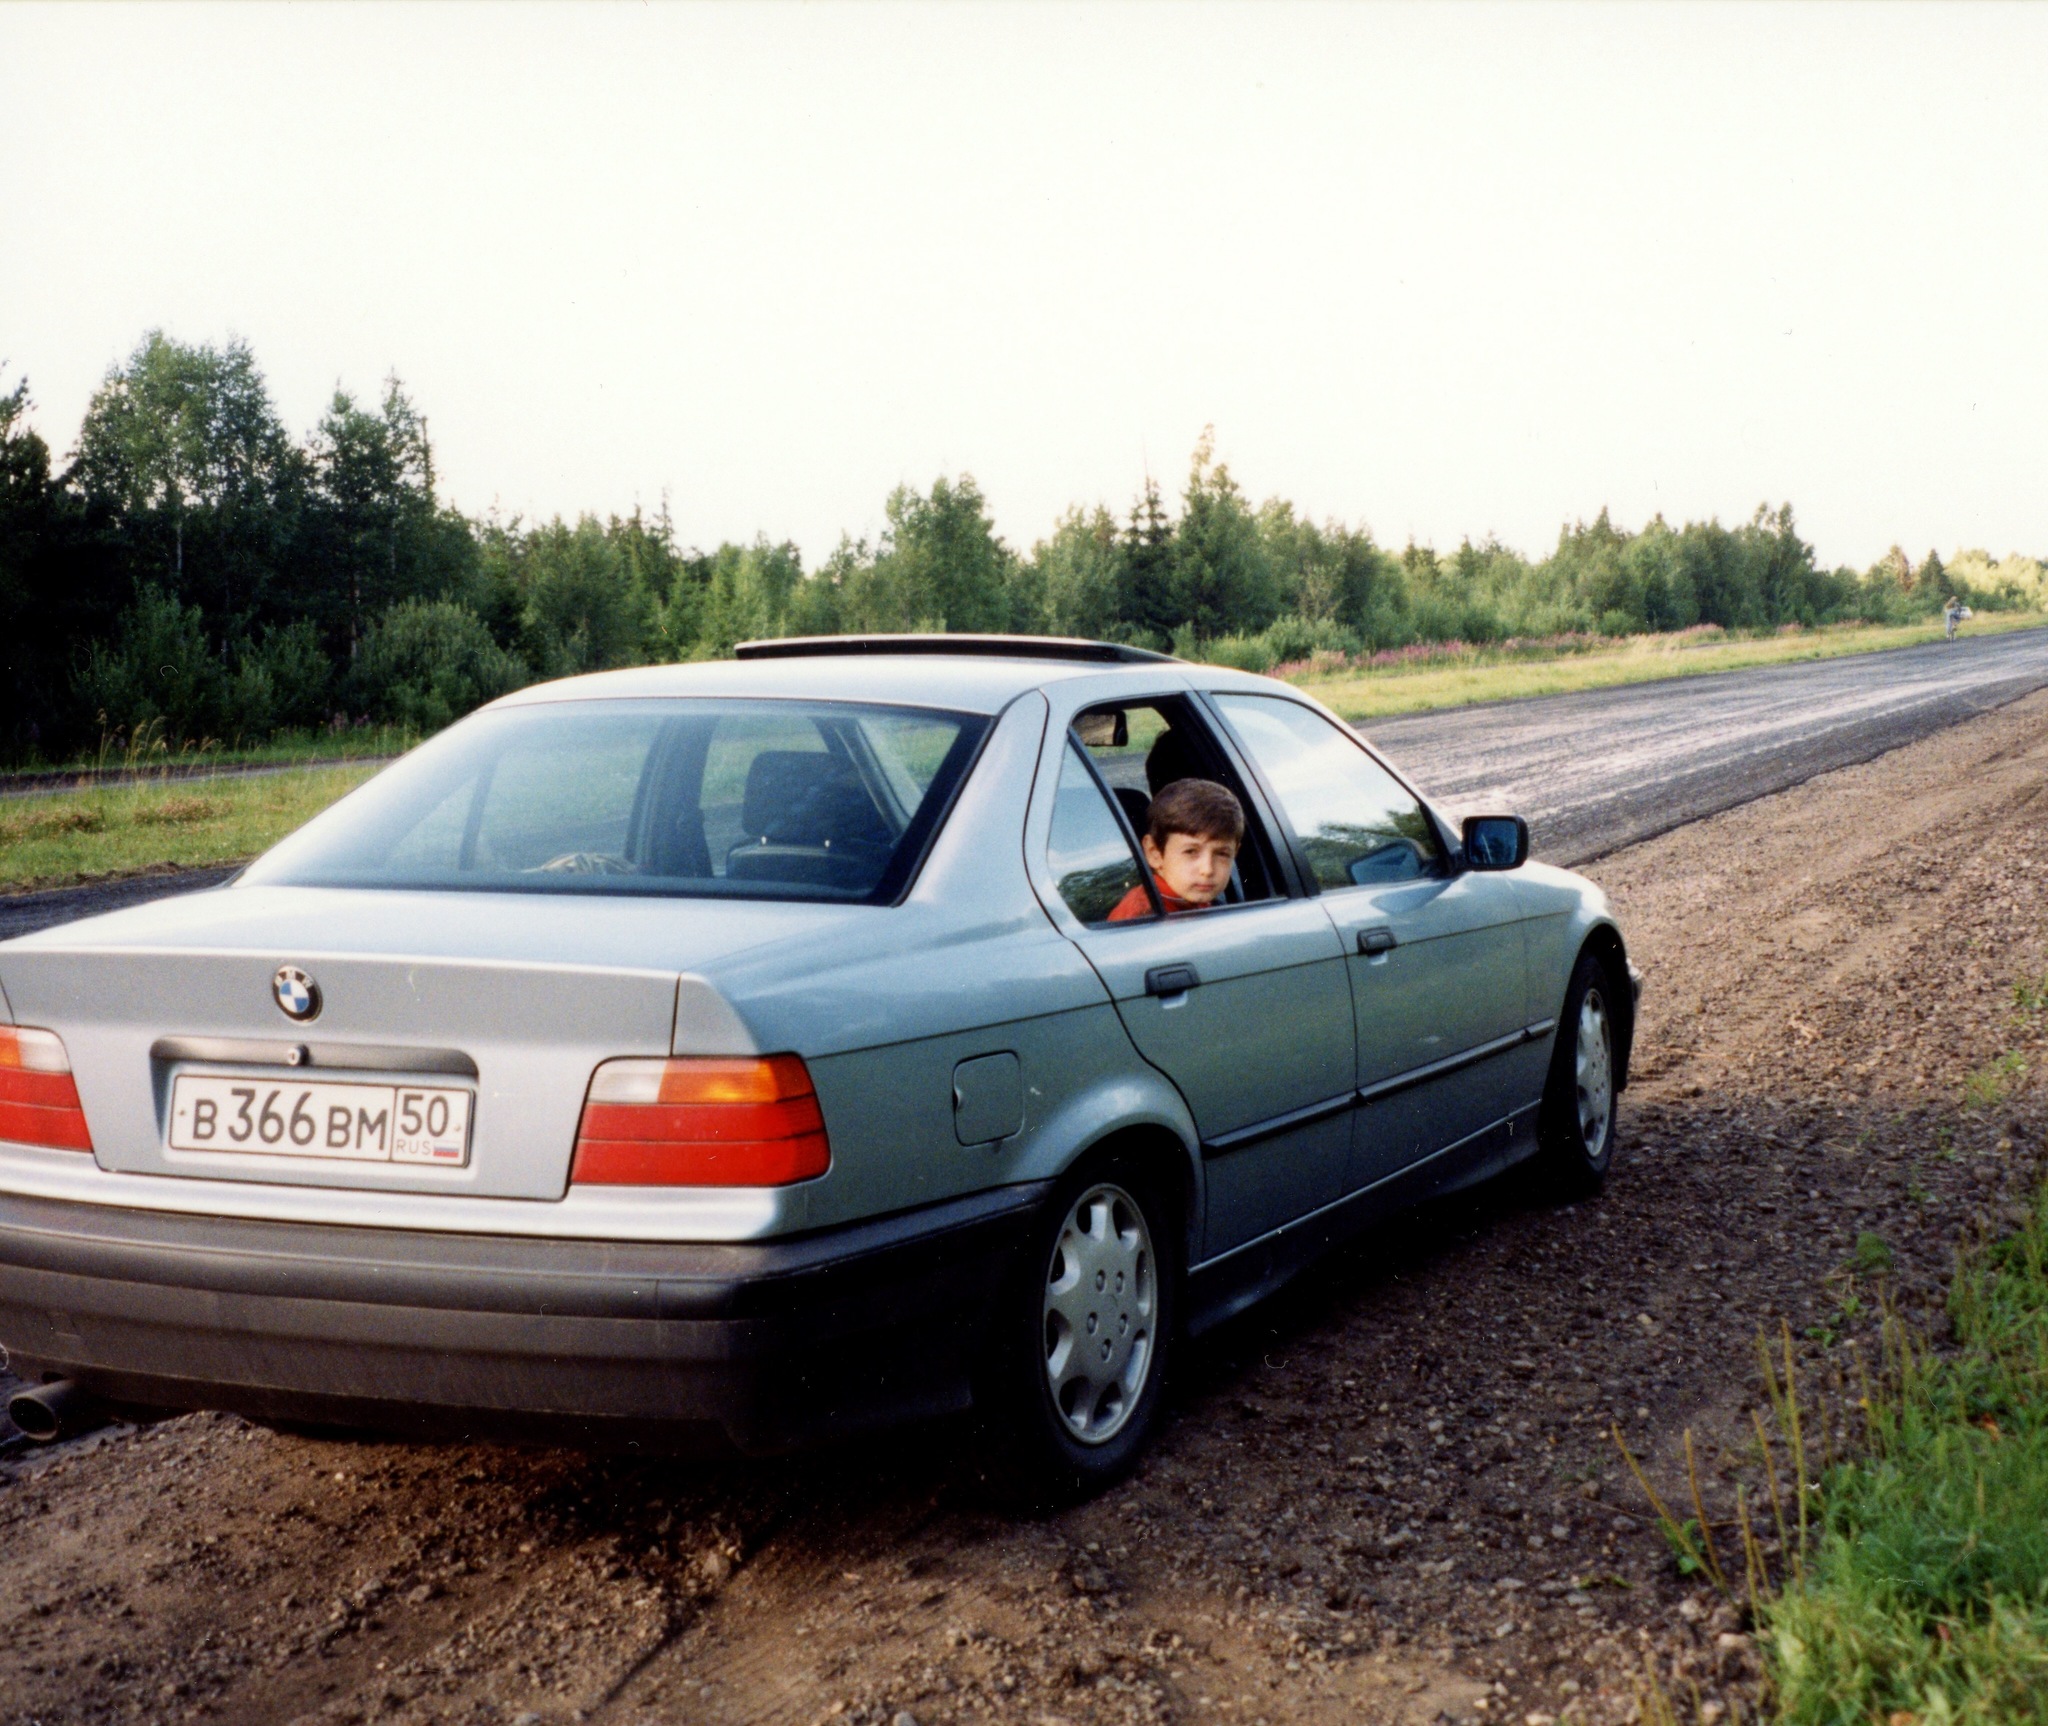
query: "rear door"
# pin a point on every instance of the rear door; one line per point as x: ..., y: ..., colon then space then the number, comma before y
x: 1245, y: 1006
x: 1436, y: 956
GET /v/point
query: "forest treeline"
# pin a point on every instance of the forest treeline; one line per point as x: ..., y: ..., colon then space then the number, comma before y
x: 192, y: 569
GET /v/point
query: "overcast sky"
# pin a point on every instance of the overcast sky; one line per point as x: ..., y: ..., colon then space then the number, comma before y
x: 1444, y: 271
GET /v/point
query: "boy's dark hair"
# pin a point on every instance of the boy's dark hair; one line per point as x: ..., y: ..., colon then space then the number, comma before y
x: 1197, y: 806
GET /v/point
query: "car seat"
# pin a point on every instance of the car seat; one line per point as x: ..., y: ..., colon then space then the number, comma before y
x: 1136, y: 805
x: 809, y: 820
x: 1169, y: 759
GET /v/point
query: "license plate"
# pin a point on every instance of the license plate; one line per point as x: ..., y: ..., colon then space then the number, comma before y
x: 320, y: 1118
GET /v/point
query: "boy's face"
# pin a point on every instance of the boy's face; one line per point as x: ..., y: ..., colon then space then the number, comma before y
x: 1193, y: 867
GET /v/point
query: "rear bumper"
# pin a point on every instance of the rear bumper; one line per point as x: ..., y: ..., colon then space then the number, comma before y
x: 758, y: 1346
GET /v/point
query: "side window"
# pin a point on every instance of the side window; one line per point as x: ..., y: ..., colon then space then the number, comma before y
x: 1352, y: 818
x: 1091, y: 860
x: 1141, y: 747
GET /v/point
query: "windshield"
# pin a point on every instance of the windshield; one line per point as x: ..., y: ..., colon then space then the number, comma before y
x: 751, y: 799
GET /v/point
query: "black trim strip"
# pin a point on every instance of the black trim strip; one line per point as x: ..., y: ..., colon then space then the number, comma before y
x: 1449, y: 1064
x: 1225, y: 1143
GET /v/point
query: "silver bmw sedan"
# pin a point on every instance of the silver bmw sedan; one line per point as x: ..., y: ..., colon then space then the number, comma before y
x: 756, y: 1051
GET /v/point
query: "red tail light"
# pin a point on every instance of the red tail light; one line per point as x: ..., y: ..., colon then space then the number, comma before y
x: 701, y: 1122
x: 38, y: 1102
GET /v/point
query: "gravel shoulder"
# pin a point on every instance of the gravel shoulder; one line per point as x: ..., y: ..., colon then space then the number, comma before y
x: 1388, y: 1496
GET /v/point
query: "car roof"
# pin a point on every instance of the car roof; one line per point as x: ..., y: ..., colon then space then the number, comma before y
x: 966, y: 683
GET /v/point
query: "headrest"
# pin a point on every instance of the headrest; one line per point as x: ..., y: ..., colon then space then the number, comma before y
x: 781, y: 781
x: 806, y: 797
x: 1169, y: 759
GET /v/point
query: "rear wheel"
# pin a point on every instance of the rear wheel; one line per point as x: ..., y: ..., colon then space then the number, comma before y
x: 1577, y: 1121
x: 1076, y: 1379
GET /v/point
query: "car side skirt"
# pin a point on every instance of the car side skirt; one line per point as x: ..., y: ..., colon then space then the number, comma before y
x: 1226, y: 1285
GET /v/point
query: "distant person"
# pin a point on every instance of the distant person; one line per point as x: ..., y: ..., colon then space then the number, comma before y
x: 1953, y: 614
x: 1192, y: 833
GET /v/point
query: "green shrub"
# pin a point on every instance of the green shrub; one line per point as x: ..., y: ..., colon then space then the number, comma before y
x: 1239, y: 652
x: 158, y: 673
x: 426, y: 663
x: 281, y: 682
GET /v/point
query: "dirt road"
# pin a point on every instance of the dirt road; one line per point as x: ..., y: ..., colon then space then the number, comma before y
x: 1388, y: 1496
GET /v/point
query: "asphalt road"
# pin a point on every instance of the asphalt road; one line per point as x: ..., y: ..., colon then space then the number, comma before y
x: 1596, y: 771
x: 1590, y: 772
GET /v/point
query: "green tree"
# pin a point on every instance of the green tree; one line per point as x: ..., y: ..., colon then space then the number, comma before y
x: 1080, y: 575
x: 946, y: 567
x: 748, y: 593
x: 586, y: 608
x: 57, y: 589
x: 184, y: 451
x: 374, y: 530
x: 1222, y: 580
x: 1150, y: 605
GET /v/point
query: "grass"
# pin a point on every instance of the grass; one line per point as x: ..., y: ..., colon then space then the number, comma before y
x: 147, y: 752
x: 1379, y: 691
x: 1923, y: 1596
x: 76, y: 836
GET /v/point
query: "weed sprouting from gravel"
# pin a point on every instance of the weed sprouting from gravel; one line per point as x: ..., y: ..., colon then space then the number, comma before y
x: 1991, y: 1083
x: 1872, y: 1256
x: 1927, y: 1592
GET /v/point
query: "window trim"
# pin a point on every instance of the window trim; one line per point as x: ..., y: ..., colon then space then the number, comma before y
x: 1312, y: 887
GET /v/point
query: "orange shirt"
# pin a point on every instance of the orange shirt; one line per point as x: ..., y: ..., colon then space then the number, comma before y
x: 1136, y: 903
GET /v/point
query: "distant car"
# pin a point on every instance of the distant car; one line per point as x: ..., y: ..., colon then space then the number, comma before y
x: 743, y: 1047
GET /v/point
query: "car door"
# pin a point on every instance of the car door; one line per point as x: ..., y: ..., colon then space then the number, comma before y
x: 1436, y: 955
x: 1245, y: 1007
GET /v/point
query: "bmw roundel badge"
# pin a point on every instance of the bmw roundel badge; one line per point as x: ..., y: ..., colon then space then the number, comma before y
x: 298, y: 996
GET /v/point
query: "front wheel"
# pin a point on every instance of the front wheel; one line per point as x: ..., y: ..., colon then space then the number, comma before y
x: 1077, y: 1375
x: 1576, y: 1125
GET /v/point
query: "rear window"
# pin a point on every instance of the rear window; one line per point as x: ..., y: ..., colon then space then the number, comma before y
x: 751, y: 799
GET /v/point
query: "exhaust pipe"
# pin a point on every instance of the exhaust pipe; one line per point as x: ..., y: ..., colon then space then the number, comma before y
x: 60, y: 1409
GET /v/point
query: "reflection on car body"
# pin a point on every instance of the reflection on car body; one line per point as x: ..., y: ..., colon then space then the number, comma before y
x: 804, y: 1080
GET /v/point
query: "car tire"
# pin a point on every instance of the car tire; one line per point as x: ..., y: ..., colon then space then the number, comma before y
x: 1576, y: 1124
x: 1076, y: 1376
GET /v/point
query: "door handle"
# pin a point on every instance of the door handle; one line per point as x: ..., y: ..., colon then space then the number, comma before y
x: 1170, y: 979
x: 1378, y: 939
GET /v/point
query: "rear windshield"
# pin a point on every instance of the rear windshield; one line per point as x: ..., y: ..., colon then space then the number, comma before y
x: 817, y: 800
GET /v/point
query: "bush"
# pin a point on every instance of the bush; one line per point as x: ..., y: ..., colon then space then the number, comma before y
x: 281, y: 682
x: 1291, y: 636
x: 424, y: 664
x: 1239, y: 652
x: 158, y: 674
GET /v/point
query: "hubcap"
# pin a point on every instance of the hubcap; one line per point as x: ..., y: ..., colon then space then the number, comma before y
x: 1595, y: 1075
x: 1101, y: 1302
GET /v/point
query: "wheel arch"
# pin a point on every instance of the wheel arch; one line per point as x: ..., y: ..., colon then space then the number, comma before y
x: 1603, y: 941
x: 1158, y: 1148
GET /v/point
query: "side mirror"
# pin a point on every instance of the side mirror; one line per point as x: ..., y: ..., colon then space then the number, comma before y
x: 1100, y: 730
x: 1496, y: 842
